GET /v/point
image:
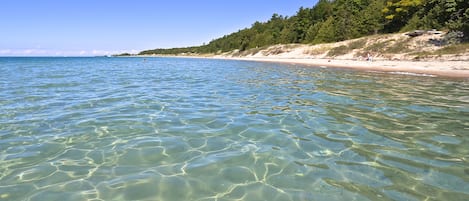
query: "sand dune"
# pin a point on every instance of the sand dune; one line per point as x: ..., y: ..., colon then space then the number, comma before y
x: 396, y: 53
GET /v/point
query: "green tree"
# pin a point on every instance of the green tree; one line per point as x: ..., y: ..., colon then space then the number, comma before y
x: 458, y: 12
x: 371, y: 19
x: 321, y: 11
x: 399, y: 12
x: 336, y: 20
x: 301, y: 23
x: 276, y: 25
x: 326, y: 32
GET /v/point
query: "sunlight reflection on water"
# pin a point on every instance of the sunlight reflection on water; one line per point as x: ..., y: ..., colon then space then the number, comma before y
x: 195, y: 129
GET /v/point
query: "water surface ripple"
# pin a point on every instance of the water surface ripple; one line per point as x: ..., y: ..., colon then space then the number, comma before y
x: 195, y: 129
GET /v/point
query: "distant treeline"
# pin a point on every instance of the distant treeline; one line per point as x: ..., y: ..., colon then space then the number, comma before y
x: 338, y: 20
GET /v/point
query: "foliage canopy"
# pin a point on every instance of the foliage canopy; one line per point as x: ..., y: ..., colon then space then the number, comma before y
x: 337, y: 20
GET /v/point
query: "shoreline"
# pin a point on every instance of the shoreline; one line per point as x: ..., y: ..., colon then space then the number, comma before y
x: 392, y: 53
x: 451, y: 69
x: 454, y: 69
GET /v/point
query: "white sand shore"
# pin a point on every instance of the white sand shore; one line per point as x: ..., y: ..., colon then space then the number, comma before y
x: 447, y: 65
x: 405, y: 61
x: 441, y: 68
x: 458, y: 69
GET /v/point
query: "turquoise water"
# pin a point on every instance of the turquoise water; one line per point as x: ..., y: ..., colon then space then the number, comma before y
x: 196, y: 129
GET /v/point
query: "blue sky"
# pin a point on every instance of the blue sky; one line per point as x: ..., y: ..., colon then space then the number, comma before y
x: 99, y: 27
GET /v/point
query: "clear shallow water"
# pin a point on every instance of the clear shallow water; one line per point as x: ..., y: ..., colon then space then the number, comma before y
x: 194, y: 129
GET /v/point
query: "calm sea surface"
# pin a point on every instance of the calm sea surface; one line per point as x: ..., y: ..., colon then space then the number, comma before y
x: 196, y: 129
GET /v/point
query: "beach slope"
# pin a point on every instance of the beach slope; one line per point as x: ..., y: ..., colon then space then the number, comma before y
x: 395, y: 53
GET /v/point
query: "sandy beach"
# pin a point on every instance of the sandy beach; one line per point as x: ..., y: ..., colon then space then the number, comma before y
x: 457, y: 69
x: 407, y: 61
x: 431, y: 68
